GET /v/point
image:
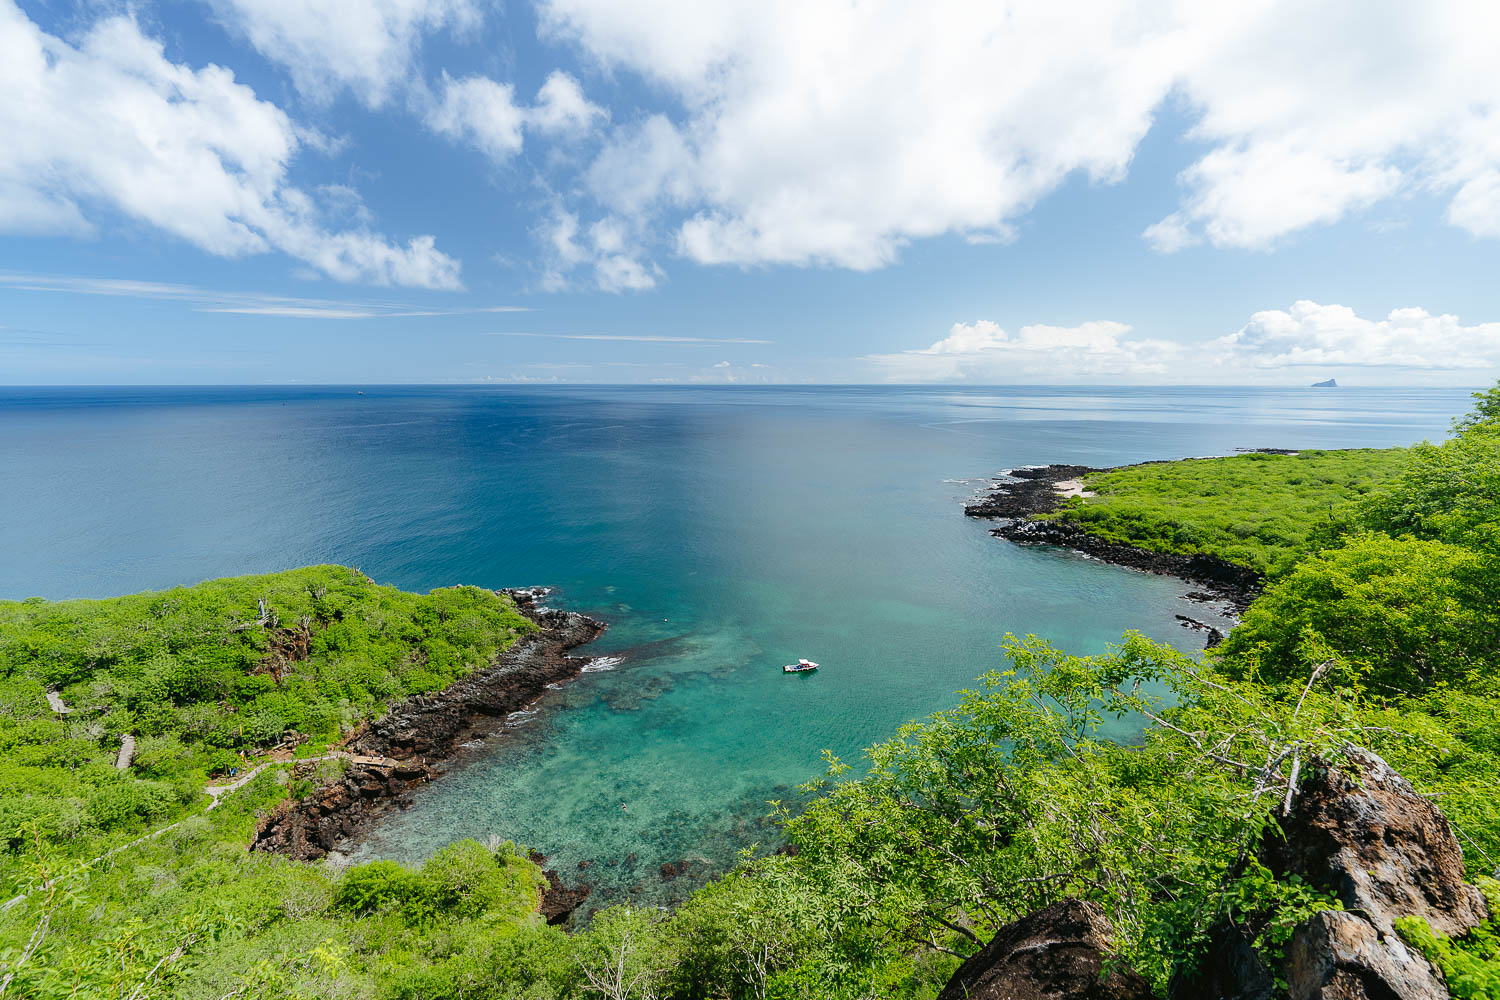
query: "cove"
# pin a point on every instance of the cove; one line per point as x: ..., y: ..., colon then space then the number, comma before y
x: 720, y: 531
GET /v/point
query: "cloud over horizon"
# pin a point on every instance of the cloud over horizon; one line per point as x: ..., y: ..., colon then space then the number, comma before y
x: 1326, y: 338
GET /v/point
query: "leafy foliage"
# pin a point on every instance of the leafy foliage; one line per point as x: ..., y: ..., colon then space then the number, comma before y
x: 1254, y: 510
x: 1471, y: 967
x: 1400, y: 613
x: 1449, y: 492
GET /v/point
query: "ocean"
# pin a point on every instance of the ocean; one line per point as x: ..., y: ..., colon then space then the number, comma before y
x: 720, y: 531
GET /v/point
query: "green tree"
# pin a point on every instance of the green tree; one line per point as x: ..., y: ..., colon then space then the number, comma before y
x: 1401, y: 613
x: 1449, y: 492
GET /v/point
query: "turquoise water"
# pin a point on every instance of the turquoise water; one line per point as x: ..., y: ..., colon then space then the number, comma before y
x: 722, y: 532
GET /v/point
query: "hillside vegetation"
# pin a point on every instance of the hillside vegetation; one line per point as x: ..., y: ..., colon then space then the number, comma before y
x: 204, y: 677
x: 1255, y: 510
x: 1378, y: 629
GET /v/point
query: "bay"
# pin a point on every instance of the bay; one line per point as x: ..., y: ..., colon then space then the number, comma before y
x: 721, y: 531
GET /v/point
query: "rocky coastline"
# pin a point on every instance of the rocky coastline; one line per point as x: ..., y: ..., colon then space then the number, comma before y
x: 1023, y: 495
x: 417, y: 737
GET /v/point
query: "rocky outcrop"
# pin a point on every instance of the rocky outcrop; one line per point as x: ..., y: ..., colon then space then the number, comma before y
x: 558, y: 901
x: 310, y: 827
x: 1028, y: 493
x: 1357, y: 830
x: 424, y: 730
x: 1213, y: 636
x: 1057, y: 953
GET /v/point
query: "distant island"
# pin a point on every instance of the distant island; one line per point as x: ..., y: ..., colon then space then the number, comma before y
x: 1332, y: 383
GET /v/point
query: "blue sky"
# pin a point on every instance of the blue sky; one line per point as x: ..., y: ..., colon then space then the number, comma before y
x: 1115, y: 191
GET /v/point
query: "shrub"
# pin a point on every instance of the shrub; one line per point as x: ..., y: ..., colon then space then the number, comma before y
x: 1402, y: 613
x: 467, y: 879
x: 380, y: 885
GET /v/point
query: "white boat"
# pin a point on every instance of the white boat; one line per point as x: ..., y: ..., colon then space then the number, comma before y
x: 800, y: 667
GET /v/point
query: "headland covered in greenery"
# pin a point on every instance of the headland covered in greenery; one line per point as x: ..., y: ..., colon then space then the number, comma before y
x: 1376, y: 629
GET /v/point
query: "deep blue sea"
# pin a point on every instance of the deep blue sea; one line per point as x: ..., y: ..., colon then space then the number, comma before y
x: 721, y: 531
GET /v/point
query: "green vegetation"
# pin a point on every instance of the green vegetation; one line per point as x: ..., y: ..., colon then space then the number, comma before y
x: 1258, y: 511
x: 1400, y: 613
x: 204, y: 677
x: 1379, y: 628
x: 1471, y: 967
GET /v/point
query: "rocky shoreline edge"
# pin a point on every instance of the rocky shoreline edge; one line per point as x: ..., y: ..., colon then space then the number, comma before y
x: 420, y: 734
x: 1024, y: 494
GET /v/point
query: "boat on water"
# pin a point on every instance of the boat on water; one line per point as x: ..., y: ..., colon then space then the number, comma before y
x: 800, y: 667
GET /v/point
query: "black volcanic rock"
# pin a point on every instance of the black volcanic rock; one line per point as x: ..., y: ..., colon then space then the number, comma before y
x: 424, y: 730
x: 1056, y: 953
x: 1359, y: 831
x: 1032, y: 492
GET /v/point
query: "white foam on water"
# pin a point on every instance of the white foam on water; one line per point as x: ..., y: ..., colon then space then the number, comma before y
x: 600, y: 664
x: 521, y: 717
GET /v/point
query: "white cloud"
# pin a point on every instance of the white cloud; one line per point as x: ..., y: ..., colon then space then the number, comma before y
x: 484, y: 114
x: 835, y: 133
x: 367, y: 46
x: 561, y: 107
x: 1274, y: 346
x: 113, y: 125
x: 1332, y: 337
x: 984, y: 352
x: 610, y: 256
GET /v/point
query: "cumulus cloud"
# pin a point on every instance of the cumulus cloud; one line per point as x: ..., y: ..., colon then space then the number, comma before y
x: 1275, y: 345
x: 835, y: 133
x: 983, y: 351
x: 608, y: 252
x: 111, y: 125
x: 484, y: 114
x: 366, y: 46
x: 1333, y: 336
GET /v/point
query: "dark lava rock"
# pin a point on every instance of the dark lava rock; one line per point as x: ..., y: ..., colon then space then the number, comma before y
x: 558, y: 901
x: 426, y: 729
x: 308, y: 828
x: 1031, y: 492
x: 1233, y: 584
x: 1214, y: 636
x: 1359, y: 831
x: 1056, y: 953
